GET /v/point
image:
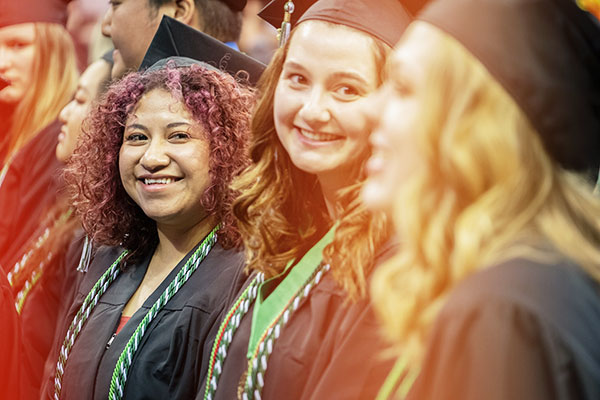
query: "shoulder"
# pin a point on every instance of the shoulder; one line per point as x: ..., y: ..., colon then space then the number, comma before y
x: 38, y: 153
x: 534, y: 323
x: 225, y: 264
x: 555, y: 300
x: 102, y: 258
x: 551, y: 290
x: 219, y: 275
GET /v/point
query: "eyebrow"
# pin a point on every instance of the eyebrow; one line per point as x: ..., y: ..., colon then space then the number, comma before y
x: 336, y: 75
x: 177, y: 124
x: 137, y: 126
x: 349, y: 75
x: 169, y: 126
x: 293, y: 64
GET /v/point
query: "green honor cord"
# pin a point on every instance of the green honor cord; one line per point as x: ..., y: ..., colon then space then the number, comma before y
x: 82, y: 315
x: 124, y: 362
x: 268, y: 323
x: 119, y: 377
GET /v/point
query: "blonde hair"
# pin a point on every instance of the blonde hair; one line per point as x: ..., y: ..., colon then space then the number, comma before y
x: 281, y: 210
x: 487, y: 190
x: 54, y: 80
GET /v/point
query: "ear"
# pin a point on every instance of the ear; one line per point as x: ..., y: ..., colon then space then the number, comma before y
x: 185, y: 11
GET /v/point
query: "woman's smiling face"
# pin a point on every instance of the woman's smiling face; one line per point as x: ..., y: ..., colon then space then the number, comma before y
x: 164, y: 160
x: 328, y: 72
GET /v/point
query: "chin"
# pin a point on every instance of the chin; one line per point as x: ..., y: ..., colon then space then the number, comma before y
x: 9, y: 99
x: 309, y: 166
x: 60, y: 156
x: 376, y: 197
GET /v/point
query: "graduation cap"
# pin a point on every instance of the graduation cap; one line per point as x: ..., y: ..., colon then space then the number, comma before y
x: 383, y: 19
x: 13, y: 12
x: 546, y: 54
x: 274, y: 11
x: 283, y: 15
x: 174, y: 38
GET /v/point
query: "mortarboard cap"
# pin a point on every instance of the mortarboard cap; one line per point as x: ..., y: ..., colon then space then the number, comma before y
x: 382, y: 19
x: 546, y: 54
x: 273, y: 12
x: 13, y: 12
x: 174, y: 38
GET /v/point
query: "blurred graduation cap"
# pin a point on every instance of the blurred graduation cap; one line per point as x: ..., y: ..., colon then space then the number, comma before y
x: 13, y: 12
x: 546, y: 54
x: 383, y: 19
x: 174, y: 38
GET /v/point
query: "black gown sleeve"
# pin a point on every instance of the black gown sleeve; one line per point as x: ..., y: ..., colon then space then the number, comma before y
x: 351, y: 364
x: 490, y: 351
x: 10, y: 344
x: 519, y: 331
x: 30, y: 187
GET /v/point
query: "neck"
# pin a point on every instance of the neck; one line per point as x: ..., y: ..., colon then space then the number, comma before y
x: 333, y: 182
x: 331, y: 187
x: 174, y: 242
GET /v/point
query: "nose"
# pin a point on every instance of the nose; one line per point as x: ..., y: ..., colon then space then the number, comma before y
x: 155, y: 157
x: 374, y: 104
x: 63, y: 117
x: 106, y: 22
x: 315, y: 109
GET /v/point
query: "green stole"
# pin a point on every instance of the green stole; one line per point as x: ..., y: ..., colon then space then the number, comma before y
x: 398, y: 382
x: 267, y: 311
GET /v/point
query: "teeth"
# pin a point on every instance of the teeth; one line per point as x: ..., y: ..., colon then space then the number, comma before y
x: 318, y: 136
x: 161, y: 181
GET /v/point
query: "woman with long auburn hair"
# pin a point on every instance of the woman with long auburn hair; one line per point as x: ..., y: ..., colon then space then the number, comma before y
x: 494, y: 291
x: 299, y: 327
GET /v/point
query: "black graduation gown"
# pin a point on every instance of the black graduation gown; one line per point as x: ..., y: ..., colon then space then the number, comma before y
x: 52, y: 293
x: 10, y: 343
x: 330, y: 349
x: 30, y: 187
x: 173, y: 355
x: 519, y: 330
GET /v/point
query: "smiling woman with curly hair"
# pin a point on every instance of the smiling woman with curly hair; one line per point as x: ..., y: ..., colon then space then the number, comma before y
x: 150, y: 181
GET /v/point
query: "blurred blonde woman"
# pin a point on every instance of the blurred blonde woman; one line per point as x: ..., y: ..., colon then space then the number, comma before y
x: 38, y: 63
x: 494, y: 292
x: 38, y: 76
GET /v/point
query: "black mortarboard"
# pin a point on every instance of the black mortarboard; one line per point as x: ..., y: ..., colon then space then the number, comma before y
x: 174, y: 38
x: 273, y: 12
x: 546, y: 54
x: 383, y: 19
x: 14, y: 12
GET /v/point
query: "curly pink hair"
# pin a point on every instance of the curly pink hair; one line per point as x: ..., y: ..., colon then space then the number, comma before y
x: 108, y: 214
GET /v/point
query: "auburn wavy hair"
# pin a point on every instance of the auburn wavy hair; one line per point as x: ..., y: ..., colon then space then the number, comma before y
x: 281, y: 211
x: 53, y: 82
x: 220, y: 104
x: 485, y: 191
